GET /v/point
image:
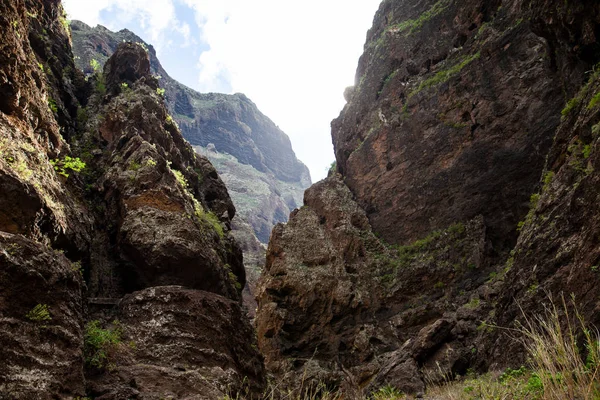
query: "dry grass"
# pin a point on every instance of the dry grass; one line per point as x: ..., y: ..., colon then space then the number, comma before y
x: 561, y: 366
x: 518, y: 384
x: 568, y: 368
x: 564, y: 363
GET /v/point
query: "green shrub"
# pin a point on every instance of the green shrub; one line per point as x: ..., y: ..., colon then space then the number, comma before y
x: 66, y: 164
x: 100, y: 85
x: 95, y: 65
x: 594, y: 101
x: 445, y: 75
x: 39, y: 313
x: 571, y: 104
x: 333, y: 167
x: 52, y: 105
x: 180, y: 178
x: 98, y: 342
x: 134, y: 166
x: 208, y: 217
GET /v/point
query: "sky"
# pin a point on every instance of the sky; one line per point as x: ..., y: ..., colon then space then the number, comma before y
x: 292, y: 58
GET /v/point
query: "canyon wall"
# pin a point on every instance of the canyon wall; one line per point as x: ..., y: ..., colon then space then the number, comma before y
x: 119, y: 276
x: 462, y: 192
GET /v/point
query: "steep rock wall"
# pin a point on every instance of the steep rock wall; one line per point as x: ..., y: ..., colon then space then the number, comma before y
x: 400, y: 265
x: 252, y: 155
x: 455, y: 108
x: 105, y: 208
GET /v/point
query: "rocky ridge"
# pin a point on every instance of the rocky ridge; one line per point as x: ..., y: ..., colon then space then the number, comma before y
x: 114, y: 227
x: 252, y: 155
x: 226, y: 124
x: 463, y: 193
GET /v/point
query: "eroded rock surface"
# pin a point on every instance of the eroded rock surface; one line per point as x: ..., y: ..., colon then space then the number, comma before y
x: 175, y: 345
x: 41, y: 322
x: 102, y: 197
x: 455, y: 108
x: 399, y: 267
x: 340, y: 306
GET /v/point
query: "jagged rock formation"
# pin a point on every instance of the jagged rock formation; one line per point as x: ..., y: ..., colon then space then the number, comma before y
x: 454, y: 123
x: 253, y: 156
x: 339, y: 305
x: 103, y: 198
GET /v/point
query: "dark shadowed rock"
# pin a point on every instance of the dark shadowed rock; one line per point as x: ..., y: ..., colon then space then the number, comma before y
x: 41, y: 351
x: 129, y: 64
x: 557, y: 251
x: 101, y: 185
x: 177, y: 347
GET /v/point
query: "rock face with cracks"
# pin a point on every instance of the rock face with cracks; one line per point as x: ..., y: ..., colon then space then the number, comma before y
x: 109, y: 215
x: 463, y: 197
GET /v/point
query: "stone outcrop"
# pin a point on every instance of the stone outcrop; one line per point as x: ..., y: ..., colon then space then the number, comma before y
x: 464, y: 195
x: 338, y: 305
x: 41, y: 333
x: 109, y: 215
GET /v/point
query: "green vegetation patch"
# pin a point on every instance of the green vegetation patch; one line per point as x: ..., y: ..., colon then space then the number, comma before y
x: 180, y: 178
x: 39, y: 313
x: 98, y: 342
x: 428, y: 249
x: 594, y: 101
x: 445, y: 75
x: 579, y: 97
x: 208, y: 217
x: 533, y: 202
x: 414, y: 25
x: 62, y: 166
x: 52, y: 105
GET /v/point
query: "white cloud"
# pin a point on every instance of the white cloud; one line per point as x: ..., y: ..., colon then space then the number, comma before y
x: 154, y: 16
x: 293, y: 58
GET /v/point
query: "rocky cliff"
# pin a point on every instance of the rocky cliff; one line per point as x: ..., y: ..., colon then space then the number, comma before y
x: 252, y: 155
x: 463, y: 191
x: 227, y: 124
x: 119, y: 277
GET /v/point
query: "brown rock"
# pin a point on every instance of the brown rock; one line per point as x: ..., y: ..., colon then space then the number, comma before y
x: 454, y: 110
x: 129, y: 64
x: 173, y: 210
x: 185, y: 344
x: 337, y: 304
x: 41, y: 351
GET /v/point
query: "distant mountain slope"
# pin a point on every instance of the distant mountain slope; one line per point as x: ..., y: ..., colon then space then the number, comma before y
x: 232, y: 123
